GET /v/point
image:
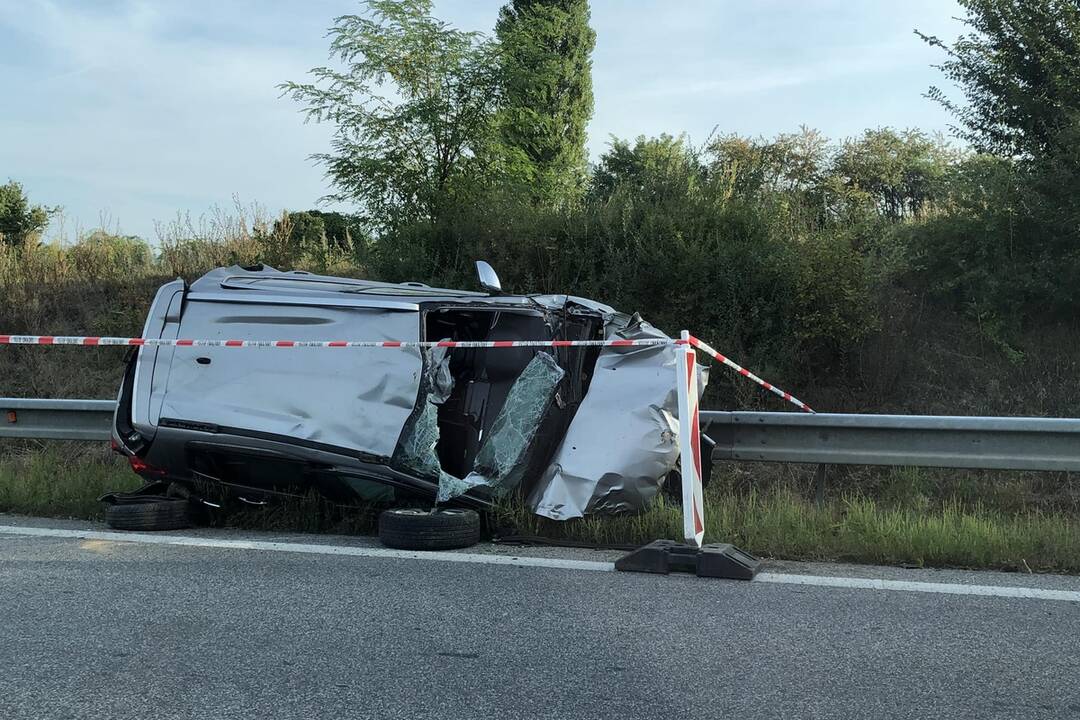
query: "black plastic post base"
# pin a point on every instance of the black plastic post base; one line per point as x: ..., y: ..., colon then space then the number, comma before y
x: 720, y: 560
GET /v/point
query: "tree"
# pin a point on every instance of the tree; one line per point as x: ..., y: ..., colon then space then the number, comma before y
x: 344, y: 231
x: 656, y: 169
x: 1019, y: 72
x: 900, y: 172
x: 791, y: 162
x: 306, y: 230
x: 314, y: 228
x: 1013, y: 237
x: 413, y: 109
x: 546, y: 67
x: 19, y: 220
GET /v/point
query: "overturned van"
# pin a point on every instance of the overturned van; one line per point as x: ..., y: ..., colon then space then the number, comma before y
x: 572, y: 430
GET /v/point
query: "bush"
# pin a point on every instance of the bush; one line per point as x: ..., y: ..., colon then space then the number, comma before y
x: 731, y: 271
x: 1007, y: 250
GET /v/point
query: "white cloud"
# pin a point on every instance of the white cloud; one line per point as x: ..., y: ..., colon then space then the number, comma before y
x: 143, y: 108
x: 124, y: 103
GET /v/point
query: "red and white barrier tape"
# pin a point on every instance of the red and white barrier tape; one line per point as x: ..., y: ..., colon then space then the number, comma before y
x: 179, y: 342
x: 720, y: 357
x: 171, y: 342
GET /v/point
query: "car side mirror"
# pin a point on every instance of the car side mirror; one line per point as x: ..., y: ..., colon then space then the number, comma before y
x: 489, y: 280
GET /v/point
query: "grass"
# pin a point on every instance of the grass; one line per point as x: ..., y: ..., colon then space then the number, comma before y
x: 851, y: 528
x: 67, y: 482
x: 903, y: 524
x: 310, y: 514
x: 50, y: 483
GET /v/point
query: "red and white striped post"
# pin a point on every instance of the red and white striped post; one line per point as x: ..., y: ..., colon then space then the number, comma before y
x: 693, y: 501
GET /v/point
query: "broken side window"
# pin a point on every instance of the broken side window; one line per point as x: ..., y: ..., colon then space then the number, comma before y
x: 415, y: 451
x: 501, y: 460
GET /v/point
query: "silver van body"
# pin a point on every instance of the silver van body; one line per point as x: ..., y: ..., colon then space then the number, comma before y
x: 579, y: 431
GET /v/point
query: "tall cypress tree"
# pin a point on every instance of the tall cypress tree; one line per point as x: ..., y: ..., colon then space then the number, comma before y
x: 548, y: 100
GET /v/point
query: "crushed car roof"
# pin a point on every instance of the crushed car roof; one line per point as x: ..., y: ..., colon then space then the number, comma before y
x: 264, y: 281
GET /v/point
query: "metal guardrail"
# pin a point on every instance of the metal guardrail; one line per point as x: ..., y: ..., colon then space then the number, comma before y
x: 1000, y: 443
x: 56, y: 419
x: 836, y: 439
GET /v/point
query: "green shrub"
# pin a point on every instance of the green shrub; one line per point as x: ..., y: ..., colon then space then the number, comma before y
x: 750, y: 270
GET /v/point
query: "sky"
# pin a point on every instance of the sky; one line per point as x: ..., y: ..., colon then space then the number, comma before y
x: 128, y: 113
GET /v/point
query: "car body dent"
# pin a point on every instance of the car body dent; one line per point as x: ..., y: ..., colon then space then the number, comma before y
x: 335, y: 421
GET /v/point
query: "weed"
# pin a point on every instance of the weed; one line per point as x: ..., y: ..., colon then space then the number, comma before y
x: 781, y: 523
x: 48, y: 483
x: 778, y: 522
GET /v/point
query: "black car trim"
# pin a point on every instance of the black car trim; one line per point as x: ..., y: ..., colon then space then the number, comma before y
x: 209, y: 428
x: 384, y: 474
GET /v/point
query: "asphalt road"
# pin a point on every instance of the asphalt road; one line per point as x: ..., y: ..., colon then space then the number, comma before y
x: 102, y: 629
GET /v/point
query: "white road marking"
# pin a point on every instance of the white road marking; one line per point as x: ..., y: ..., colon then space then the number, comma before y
x: 1003, y: 591
x: 307, y: 548
x: 925, y: 587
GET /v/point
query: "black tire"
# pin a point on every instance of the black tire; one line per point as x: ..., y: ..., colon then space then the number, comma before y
x: 151, y: 513
x: 408, y: 529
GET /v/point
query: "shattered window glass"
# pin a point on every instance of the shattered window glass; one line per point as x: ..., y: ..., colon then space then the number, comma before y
x: 415, y: 452
x: 500, y: 461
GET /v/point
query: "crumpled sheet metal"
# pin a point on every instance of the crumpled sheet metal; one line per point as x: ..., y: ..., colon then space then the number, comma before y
x: 500, y: 462
x: 623, y: 440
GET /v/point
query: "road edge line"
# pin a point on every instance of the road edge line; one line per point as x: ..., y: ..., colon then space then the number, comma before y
x: 308, y: 548
x: 826, y: 581
x: 1000, y: 591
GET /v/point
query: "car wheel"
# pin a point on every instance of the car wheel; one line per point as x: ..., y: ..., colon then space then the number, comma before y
x: 446, y: 529
x: 150, y: 513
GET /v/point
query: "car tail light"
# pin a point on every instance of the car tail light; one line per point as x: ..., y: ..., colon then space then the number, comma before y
x: 141, y: 467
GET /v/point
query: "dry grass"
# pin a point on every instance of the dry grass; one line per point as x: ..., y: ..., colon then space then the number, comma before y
x: 59, y: 481
x: 102, y: 284
x: 780, y: 523
x: 894, y: 528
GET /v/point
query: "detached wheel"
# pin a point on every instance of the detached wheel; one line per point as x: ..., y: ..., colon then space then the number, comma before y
x: 148, y: 513
x: 407, y: 529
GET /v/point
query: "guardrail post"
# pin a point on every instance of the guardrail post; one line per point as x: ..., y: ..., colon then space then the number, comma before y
x: 820, y: 476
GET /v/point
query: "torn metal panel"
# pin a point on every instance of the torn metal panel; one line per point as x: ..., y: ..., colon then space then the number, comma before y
x: 572, y: 302
x: 501, y: 461
x: 623, y: 440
